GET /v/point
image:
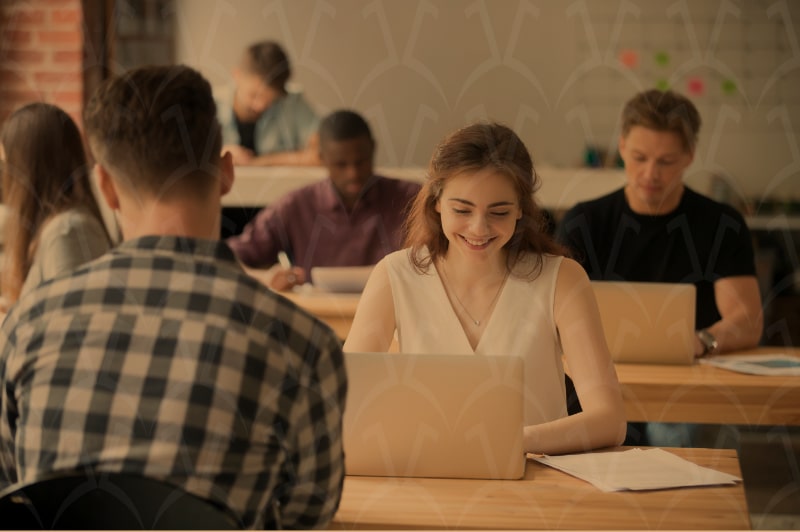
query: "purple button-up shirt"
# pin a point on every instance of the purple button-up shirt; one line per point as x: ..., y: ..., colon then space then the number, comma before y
x: 313, y: 226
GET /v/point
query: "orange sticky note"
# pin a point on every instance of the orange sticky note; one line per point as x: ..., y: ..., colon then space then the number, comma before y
x: 629, y: 58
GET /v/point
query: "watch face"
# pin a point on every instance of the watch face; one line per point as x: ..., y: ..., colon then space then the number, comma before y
x: 708, y: 340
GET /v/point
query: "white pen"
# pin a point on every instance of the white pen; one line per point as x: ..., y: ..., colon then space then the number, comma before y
x: 286, y: 264
x: 283, y: 260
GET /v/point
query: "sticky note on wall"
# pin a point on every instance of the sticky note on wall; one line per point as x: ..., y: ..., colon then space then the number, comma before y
x: 729, y: 87
x: 696, y: 86
x: 629, y: 58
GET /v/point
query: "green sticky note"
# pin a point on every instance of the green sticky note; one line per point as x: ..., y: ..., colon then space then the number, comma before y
x: 729, y: 87
x: 662, y: 84
x: 662, y: 58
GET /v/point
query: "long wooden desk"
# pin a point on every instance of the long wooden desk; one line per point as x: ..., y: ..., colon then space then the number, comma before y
x: 562, y: 188
x: 687, y: 394
x: 257, y: 186
x: 545, y: 498
x: 337, y: 310
x: 705, y: 394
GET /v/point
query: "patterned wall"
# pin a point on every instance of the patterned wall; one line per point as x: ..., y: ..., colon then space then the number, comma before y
x: 557, y: 71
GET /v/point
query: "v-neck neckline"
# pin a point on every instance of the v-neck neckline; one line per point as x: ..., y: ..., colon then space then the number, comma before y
x: 454, y: 314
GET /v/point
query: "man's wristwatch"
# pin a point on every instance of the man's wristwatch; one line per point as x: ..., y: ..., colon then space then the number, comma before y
x: 710, y: 343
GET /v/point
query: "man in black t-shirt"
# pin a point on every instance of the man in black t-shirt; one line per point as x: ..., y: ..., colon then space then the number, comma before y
x: 657, y: 229
x: 699, y: 242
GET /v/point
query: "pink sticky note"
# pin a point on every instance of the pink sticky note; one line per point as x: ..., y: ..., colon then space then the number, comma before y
x: 629, y: 58
x: 696, y: 86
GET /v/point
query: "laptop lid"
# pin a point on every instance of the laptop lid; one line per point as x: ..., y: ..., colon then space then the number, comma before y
x: 445, y: 416
x: 647, y: 323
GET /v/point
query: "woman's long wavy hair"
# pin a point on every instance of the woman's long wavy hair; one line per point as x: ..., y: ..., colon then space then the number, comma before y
x: 45, y: 173
x: 471, y: 149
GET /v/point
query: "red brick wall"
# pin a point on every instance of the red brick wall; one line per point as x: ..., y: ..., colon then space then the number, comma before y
x: 41, y: 54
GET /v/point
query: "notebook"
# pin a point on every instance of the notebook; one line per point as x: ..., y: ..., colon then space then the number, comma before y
x: 442, y: 416
x: 648, y: 323
x: 340, y: 279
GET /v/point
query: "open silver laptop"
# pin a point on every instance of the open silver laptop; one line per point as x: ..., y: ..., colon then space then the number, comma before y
x: 446, y: 416
x: 648, y: 323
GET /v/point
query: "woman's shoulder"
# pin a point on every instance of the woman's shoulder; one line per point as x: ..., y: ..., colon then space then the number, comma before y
x: 571, y: 268
x: 404, y: 262
x: 397, y: 259
x: 570, y: 275
x: 529, y: 262
x: 71, y: 220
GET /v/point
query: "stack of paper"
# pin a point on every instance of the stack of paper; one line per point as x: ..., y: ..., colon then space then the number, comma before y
x: 636, y: 469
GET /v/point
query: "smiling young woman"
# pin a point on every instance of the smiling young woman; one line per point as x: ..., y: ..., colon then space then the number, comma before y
x: 481, y: 276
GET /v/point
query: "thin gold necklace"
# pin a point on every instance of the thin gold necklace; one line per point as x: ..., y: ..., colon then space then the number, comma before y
x: 464, y: 308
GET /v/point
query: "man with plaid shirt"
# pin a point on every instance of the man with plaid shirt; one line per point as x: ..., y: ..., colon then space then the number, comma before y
x: 162, y: 357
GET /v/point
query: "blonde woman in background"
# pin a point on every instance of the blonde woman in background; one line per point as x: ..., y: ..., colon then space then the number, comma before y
x: 53, y: 223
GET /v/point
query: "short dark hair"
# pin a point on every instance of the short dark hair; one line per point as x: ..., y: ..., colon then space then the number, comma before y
x: 158, y: 127
x: 268, y: 61
x: 343, y: 125
x: 663, y: 111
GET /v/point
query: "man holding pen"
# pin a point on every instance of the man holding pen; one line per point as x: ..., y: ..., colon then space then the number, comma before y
x: 353, y: 218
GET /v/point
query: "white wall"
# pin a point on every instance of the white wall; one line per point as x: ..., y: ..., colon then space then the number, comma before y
x: 549, y: 68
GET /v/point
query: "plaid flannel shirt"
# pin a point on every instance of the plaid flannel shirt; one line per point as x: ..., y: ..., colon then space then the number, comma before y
x: 164, y: 358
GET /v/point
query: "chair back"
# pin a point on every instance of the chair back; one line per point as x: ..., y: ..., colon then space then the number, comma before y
x: 116, y: 501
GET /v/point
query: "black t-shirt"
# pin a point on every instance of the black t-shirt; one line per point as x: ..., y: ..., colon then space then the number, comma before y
x: 699, y: 242
x: 247, y: 134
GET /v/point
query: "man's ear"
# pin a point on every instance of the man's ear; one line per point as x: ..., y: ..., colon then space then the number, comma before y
x: 107, y: 187
x: 225, y: 173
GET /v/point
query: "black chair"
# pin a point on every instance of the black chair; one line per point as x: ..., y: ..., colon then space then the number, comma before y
x: 117, y: 501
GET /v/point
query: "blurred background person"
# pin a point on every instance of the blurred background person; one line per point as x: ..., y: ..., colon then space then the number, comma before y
x: 353, y: 218
x: 53, y: 222
x: 263, y: 123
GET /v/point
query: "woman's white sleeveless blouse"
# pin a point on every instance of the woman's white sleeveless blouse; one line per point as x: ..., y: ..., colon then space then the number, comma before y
x: 521, y: 324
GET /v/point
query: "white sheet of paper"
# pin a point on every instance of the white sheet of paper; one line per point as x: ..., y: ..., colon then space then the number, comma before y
x: 636, y: 469
x: 766, y: 364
